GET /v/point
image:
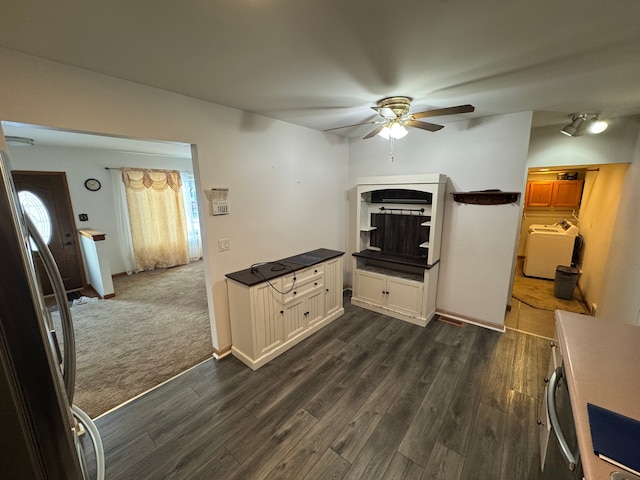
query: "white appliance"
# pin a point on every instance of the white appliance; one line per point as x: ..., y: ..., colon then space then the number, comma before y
x: 547, y: 247
x: 41, y: 425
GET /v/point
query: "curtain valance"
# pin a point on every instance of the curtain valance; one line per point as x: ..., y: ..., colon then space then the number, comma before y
x: 148, y: 178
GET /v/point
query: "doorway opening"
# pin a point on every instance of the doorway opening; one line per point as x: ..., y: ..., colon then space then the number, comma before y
x: 549, y: 241
x: 112, y: 344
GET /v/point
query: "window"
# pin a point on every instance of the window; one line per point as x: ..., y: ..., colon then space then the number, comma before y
x: 39, y: 215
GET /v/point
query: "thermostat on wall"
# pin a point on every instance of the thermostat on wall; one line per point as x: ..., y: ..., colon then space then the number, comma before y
x: 218, y: 201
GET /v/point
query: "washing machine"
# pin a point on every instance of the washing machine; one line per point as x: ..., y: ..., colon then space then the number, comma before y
x: 547, y: 247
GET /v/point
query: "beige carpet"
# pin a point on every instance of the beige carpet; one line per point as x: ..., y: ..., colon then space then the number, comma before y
x: 155, y: 327
x: 538, y: 293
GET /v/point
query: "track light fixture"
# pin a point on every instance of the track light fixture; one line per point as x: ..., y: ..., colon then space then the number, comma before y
x: 584, y: 122
x: 571, y: 129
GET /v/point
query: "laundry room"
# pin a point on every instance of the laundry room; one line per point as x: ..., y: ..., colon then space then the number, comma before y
x: 552, y: 195
x: 568, y: 218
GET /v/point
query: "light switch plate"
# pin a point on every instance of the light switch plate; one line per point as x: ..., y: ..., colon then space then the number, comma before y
x: 223, y: 244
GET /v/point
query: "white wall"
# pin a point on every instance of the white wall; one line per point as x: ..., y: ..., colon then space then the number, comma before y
x: 479, y: 241
x: 80, y: 164
x: 621, y: 285
x: 287, y: 183
x: 549, y: 148
x: 598, y: 213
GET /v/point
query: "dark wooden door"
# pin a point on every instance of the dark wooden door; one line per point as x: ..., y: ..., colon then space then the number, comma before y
x: 51, y: 189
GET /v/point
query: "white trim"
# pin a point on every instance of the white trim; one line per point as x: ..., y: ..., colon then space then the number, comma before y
x: 491, y: 326
x: 420, y: 321
x: 220, y: 356
x: 150, y: 390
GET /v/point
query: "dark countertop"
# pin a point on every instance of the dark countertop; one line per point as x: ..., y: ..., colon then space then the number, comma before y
x: 266, y: 271
x: 394, y: 258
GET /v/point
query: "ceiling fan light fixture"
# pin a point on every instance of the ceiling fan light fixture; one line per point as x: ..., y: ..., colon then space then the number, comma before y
x: 393, y: 130
x: 385, y: 133
x: 397, y: 131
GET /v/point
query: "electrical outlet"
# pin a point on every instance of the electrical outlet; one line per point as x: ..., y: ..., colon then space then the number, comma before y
x: 223, y: 244
x: 83, y: 217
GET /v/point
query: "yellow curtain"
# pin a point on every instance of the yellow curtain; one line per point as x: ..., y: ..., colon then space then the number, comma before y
x: 156, y: 215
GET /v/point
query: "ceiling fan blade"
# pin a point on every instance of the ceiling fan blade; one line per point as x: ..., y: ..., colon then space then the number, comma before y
x: 385, y: 112
x: 444, y: 111
x: 354, y: 125
x: 431, y: 127
x: 374, y: 132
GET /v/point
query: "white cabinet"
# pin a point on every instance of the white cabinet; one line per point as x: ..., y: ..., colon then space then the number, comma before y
x: 271, y: 316
x: 391, y: 292
x: 303, y: 304
x: 399, y: 229
x: 404, y: 295
x: 303, y: 312
x: 370, y: 287
x: 265, y: 305
x: 333, y: 281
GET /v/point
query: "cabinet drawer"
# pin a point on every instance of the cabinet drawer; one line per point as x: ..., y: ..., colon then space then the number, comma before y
x: 300, y: 289
x: 303, y: 276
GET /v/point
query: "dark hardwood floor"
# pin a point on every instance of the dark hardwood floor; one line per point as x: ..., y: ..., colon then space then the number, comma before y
x: 367, y: 397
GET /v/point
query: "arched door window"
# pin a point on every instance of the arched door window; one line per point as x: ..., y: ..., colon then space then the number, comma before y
x: 37, y: 211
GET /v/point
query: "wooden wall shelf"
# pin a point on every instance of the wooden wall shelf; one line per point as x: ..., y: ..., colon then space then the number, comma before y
x: 486, y: 197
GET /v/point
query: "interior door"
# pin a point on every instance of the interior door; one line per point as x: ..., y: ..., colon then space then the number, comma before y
x: 47, y: 194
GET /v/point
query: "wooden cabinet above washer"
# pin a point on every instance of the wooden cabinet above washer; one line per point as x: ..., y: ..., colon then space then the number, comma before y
x: 556, y: 193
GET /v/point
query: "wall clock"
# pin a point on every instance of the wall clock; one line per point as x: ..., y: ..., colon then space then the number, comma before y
x: 92, y: 184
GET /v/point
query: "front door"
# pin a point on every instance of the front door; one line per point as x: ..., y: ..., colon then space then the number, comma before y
x: 45, y: 196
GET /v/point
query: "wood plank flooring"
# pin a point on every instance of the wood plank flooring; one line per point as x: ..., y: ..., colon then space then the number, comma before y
x: 368, y: 397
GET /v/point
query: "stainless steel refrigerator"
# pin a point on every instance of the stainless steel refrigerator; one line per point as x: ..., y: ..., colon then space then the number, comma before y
x: 40, y: 426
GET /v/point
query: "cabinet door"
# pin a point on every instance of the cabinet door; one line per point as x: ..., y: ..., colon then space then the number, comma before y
x: 539, y: 194
x: 315, y: 303
x: 404, y: 295
x: 267, y: 319
x: 333, y: 285
x: 295, y: 318
x: 567, y: 193
x: 371, y: 287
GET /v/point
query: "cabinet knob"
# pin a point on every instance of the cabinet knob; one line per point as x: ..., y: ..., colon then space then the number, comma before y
x: 327, y: 289
x: 295, y: 293
x: 315, y: 271
x: 281, y: 312
x: 539, y: 422
x: 315, y: 284
x: 546, y: 380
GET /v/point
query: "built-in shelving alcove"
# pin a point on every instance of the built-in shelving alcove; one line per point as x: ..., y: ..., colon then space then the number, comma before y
x: 399, y: 229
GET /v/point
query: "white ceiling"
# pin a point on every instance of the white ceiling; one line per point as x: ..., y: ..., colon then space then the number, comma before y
x: 322, y: 64
x: 42, y: 136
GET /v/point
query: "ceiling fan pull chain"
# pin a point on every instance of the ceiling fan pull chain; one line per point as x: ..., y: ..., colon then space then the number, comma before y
x: 391, y: 142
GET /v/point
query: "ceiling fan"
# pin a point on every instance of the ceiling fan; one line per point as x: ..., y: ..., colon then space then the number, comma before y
x: 395, y: 117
